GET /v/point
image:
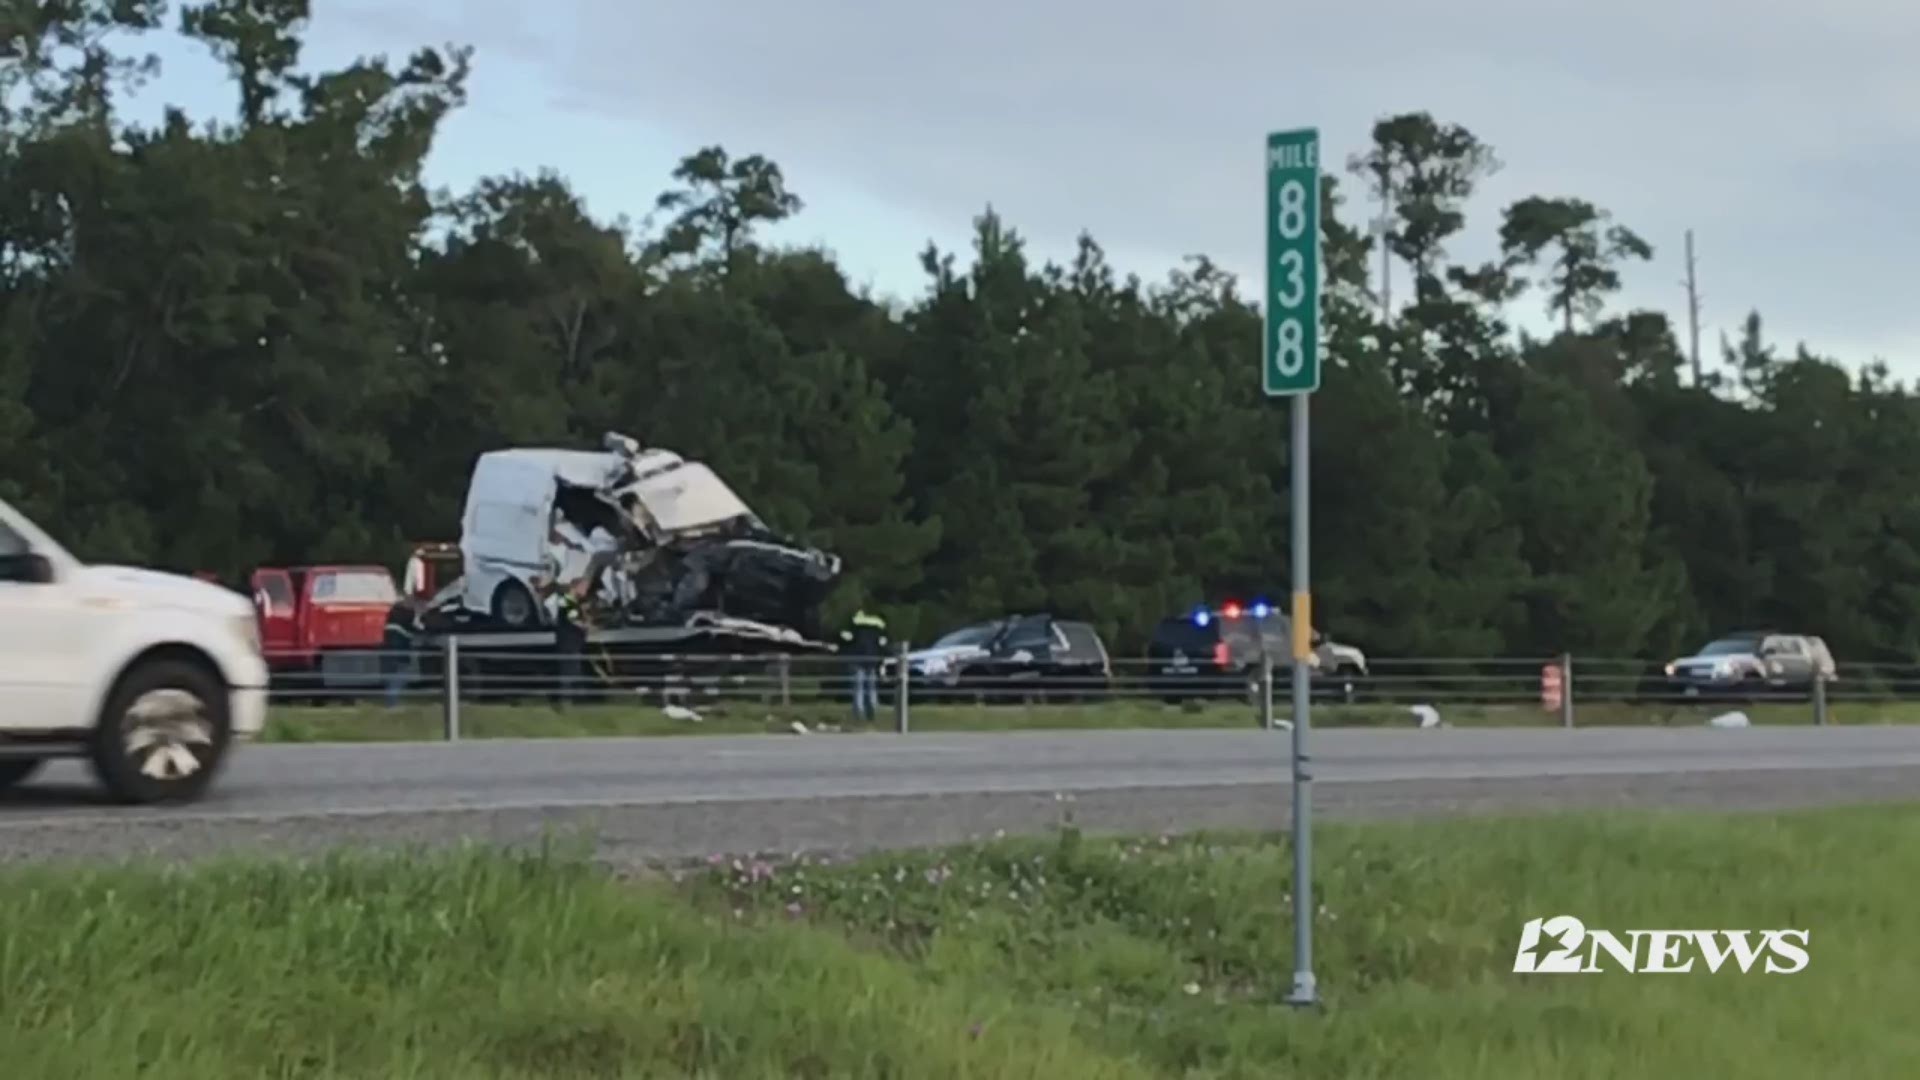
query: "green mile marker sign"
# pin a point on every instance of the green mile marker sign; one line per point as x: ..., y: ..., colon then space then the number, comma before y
x: 1291, y: 361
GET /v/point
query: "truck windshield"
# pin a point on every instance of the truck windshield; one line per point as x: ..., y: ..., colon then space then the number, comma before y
x: 354, y: 587
x: 18, y: 536
x: 1732, y: 646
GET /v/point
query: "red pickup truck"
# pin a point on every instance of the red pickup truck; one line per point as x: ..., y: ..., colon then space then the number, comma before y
x: 325, y: 620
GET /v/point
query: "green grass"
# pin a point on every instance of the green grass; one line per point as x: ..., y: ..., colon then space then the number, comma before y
x: 418, y: 719
x: 1066, y: 958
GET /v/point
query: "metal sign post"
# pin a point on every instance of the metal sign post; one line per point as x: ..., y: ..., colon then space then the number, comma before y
x: 1290, y: 367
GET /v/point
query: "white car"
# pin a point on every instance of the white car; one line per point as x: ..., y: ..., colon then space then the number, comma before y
x: 149, y: 676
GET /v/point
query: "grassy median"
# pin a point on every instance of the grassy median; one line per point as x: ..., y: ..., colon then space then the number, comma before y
x: 422, y: 719
x: 1065, y: 958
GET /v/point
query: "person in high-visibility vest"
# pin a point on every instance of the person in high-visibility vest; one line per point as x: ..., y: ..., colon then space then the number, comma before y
x: 569, y: 620
x: 569, y: 640
x: 864, y: 643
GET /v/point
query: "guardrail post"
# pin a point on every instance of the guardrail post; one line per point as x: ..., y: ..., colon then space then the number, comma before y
x: 786, y: 680
x: 450, y: 685
x: 1266, y: 693
x: 1566, y: 690
x: 900, y: 717
x: 1819, y: 700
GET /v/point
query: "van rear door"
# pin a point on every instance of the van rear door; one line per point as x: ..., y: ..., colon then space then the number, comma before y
x: 509, y: 510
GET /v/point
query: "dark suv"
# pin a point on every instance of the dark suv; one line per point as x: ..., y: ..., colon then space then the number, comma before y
x: 1014, y: 657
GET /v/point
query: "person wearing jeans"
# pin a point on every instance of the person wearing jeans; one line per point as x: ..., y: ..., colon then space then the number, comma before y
x: 569, y: 640
x: 866, y: 692
x: 864, y: 643
x: 399, y: 646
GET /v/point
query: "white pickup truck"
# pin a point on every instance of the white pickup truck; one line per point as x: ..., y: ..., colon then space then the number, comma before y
x: 148, y: 676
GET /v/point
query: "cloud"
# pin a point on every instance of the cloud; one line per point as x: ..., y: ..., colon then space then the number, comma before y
x: 1784, y: 136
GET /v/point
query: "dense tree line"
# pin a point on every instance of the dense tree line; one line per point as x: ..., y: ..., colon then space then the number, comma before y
x: 264, y: 340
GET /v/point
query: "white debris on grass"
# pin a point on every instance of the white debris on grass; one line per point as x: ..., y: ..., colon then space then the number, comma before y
x: 1735, y: 719
x: 681, y: 713
x: 1427, y: 715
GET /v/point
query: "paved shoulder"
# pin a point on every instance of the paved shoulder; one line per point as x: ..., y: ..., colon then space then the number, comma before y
x: 683, y: 795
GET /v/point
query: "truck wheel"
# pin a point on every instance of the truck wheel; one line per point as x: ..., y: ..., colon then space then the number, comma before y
x: 163, y: 734
x: 18, y: 770
x: 513, y: 605
x: 1352, y: 679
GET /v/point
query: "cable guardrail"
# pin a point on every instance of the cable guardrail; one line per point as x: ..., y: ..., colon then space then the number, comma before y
x: 1138, y: 692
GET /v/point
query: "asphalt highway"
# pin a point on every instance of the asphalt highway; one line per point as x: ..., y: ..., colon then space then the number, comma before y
x: 645, y: 799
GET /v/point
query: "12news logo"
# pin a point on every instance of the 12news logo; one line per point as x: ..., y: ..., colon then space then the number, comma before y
x: 1655, y: 951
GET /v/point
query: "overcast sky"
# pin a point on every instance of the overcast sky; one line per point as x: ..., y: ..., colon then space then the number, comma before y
x: 1787, y: 137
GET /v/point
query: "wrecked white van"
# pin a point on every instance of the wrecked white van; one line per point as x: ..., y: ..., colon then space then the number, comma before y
x: 663, y: 539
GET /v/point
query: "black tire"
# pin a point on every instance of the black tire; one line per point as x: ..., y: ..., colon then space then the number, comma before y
x: 18, y: 770
x: 140, y: 764
x: 514, y: 606
x: 1345, y: 691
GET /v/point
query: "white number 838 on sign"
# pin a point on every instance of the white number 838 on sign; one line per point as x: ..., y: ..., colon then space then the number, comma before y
x: 1293, y: 270
x: 1290, y: 221
x: 1289, y: 347
x: 1292, y: 206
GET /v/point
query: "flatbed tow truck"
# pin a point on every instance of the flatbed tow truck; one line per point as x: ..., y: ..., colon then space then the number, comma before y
x: 684, y: 581
x: 703, y: 657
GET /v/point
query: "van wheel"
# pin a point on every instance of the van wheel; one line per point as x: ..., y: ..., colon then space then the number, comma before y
x: 513, y: 605
x: 18, y: 770
x: 163, y: 735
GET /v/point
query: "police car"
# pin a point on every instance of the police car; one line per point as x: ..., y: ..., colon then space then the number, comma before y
x: 1216, y: 652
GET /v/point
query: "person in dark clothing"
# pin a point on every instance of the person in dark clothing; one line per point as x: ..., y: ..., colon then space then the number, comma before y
x: 569, y: 641
x: 564, y: 601
x: 398, y: 646
x: 864, y: 643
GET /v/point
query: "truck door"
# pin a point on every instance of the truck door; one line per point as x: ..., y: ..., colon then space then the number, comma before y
x: 45, y: 634
x: 1794, y: 660
x: 279, y: 622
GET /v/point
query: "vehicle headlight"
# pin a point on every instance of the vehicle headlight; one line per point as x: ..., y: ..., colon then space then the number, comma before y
x: 247, y: 627
x: 1670, y: 671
